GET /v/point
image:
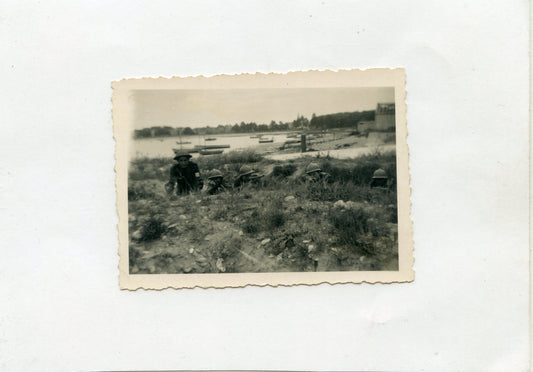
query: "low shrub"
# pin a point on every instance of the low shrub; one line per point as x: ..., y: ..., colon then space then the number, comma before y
x: 273, y: 215
x: 285, y: 170
x: 152, y: 229
x: 358, y: 227
x: 233, y: 157
x: 149, y: 168
x: 269, y: 216
x: 138, y: 191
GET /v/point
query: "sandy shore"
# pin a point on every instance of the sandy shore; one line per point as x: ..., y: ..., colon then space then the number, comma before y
x: 338, y: 145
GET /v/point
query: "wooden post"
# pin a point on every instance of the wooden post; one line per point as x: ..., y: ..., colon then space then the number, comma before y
x: 304, y: 145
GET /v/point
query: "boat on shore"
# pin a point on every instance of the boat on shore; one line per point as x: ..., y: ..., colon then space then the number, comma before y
x: 210, y: 152
x: 183, y: 142
x: 210, y: 139
x: 209, y: 147
x: 266, y: 139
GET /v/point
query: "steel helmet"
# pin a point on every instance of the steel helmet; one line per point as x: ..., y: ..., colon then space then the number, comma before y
x: 245, y: 170
x: 215, y: 173
x: 312, y: 167
x: 380, y: 173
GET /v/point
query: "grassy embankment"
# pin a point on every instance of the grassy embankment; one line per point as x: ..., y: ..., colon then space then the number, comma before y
x: 281, y: 224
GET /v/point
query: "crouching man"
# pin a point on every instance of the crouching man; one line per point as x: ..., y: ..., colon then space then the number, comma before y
x: 246, y: 176
x: 184, y: 176
x: 215, y: 183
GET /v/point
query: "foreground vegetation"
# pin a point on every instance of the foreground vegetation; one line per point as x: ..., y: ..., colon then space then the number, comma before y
x: 279, y: 224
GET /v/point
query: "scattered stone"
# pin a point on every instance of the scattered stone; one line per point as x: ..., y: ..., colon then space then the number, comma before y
x: 198, y: 201
x: 311, y: 248
x: 289, y: 198
x: 183, y: 217
x: 191, y: 251
x: 207, y: 238
x: 306, y: 241
x: 351, y: 205
x: 201, y: 260
x: 265, y: 241
x: 362, y: 258
x: 137, y: 235
x: 241, y: 233
x: 188, y: 269
x: 173, y: 226
x: 220, y: 264
x: 339, y: 204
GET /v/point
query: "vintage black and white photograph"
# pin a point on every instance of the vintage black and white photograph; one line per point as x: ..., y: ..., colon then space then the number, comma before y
x: 238, y: 178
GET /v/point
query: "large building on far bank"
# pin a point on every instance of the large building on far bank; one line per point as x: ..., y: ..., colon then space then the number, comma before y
x: 385, y: 116
x: 385, y: 119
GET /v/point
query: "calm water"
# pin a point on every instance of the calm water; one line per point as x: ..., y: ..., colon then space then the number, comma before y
x: 163, y: 147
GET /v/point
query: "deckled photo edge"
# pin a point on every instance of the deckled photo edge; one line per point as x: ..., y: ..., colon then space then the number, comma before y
x: 122, y: 112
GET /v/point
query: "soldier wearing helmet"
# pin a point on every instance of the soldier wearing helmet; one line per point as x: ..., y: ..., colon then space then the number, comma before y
x: 313, y: 173
x: 246, y: 175
x: 184, y: 175
x: 379, y: 179
x: 215, y: 183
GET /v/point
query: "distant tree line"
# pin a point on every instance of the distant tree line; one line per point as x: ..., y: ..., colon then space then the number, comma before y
x: 341, y: 120
x: 322, y: 122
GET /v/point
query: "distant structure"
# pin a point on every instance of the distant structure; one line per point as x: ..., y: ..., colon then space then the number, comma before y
x: 365, y: 126
x: 385, y: 116
x: 385, y: 119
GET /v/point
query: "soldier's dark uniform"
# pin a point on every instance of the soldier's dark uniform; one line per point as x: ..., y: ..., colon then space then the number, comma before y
x: 184, y: 176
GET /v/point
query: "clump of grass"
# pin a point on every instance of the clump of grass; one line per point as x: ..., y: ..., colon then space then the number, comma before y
x: 269, y: 216
x: 360, y: 170
x: 245, y: 156
x: 233, y: 157
x: 149, y: 168
x: 357, y: 227
x: 220, y: 213
x: 134, y: 254
x: 273, y: 215
x: 137, y: 190
x: 152, y: 229
x: 283, y: 170
x: 252, y: 224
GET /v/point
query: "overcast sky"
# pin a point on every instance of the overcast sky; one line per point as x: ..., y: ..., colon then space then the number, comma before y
x: 196, y: 108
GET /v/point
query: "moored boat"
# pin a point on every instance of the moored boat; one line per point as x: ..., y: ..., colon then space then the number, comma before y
x: 208, y: 147
x: 210, y: 152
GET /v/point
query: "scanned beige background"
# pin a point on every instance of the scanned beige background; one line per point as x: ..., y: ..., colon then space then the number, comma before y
x: 467, y: 98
